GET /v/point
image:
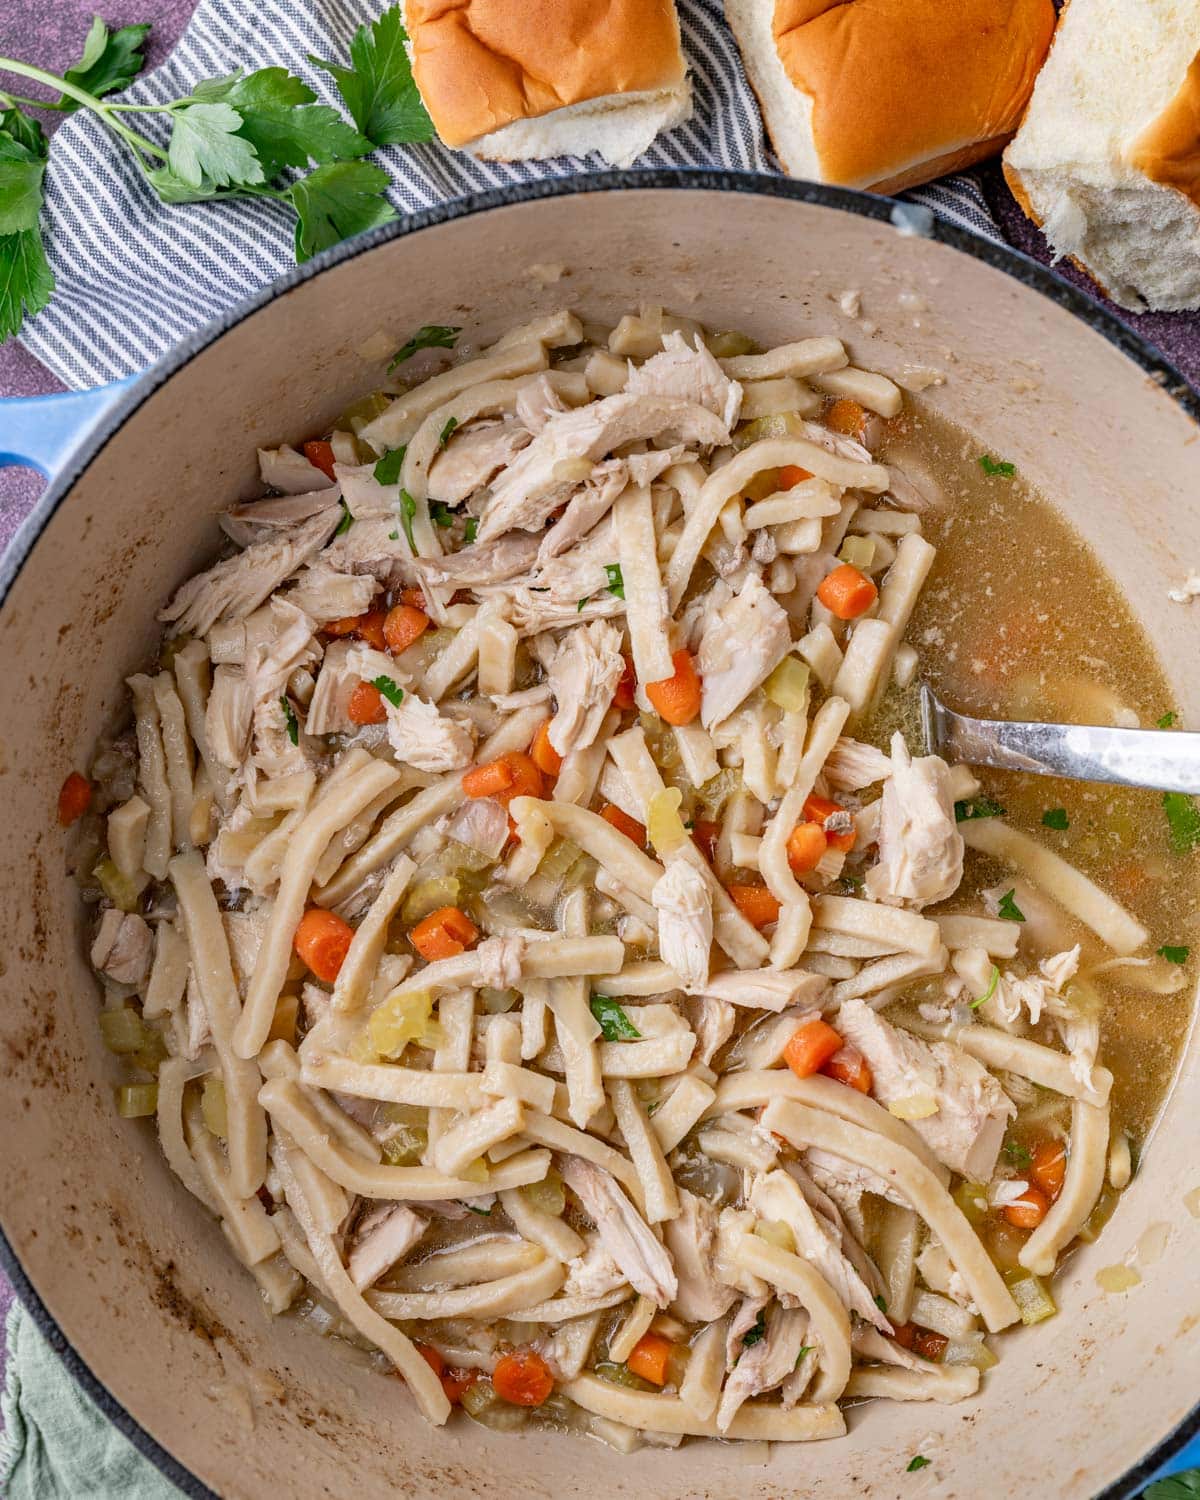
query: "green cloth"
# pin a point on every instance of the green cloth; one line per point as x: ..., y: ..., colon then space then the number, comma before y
x: 58, y: 1445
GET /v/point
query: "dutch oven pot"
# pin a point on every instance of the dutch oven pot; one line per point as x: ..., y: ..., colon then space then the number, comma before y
x: 127, y: 1275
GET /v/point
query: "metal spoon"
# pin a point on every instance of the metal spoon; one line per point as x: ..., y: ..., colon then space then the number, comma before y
x: 1164, y: 760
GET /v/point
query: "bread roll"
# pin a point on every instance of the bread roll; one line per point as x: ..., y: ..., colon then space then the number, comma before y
x: 1108, y: 158
x: 885, y: 94
x: 514, y: 79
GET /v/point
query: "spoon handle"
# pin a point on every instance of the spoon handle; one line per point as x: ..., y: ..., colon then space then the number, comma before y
x: 1164, y: 760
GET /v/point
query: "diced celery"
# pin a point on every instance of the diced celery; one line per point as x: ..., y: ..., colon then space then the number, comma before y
x: 405, y: 1146
x: 858, y: 551
x: 717, y: 790
x: 481, y: 1403
x: 170, y: 649
x: 549, y: 1195
x: 120, y: 889
x: 402, y: 1018
x: 1119, y: 1278
x: 616, y: 1374
x: 776, y: 1233
x: 788, y: 686
x: 427, y: 896
x: 153, y: 1050
x: 476, y: 1171
x: 497, y: 1002
x: 359, y: 413
x: 1100, y: 1215
x: 135, y: 1100
x: 212, y: 1106
x: 784, y: 424
x: 664, y: 826
x: 969, y: 1349
x: 971, y: 1198
x: 1031, y: 1295
x: 122, y: 1030
x: 728, y: 345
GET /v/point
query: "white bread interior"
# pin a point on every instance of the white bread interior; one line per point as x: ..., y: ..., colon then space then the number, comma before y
x: 619, y: 126
x: 1115, y: 67
x: 787, y: 111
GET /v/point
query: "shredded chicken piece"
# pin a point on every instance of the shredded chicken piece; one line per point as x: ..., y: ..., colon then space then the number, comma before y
x: 853, y: 765
x: 683, y: 901
x: 384, y: 1236
x: 123, y: 947
x: 689, y: 373
x: 500, y: 960
x: 765, y: 1364
x: 920, y: 848
x: 474, y: 456
x: 743, y: 641
x: 625, y: 1234
x: 584, y: 670
x: 691, y: 1239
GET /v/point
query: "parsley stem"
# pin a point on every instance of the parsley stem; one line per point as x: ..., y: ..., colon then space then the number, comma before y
x: 9, y: 100
x: 81, y: 96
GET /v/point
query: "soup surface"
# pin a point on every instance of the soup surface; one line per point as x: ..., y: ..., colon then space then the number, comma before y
x: 527, y: 911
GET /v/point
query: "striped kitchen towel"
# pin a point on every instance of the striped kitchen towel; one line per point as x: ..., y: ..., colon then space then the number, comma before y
x: 135, y: 276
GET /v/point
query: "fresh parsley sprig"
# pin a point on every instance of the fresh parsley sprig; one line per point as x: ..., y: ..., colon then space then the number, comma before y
x: 247, y: 135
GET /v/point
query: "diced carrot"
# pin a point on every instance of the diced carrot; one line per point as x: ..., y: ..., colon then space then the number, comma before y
x: 846, y: 592
x: 431, y: 1357
x: 322, y: 940
x: 527, y: 780
x: 805, y: 846
x: 705, y: 835
x: 1027, y: 1211
x: 368, y: 627
x: 522, y: 1378
x: 677, y: 698
x: 414, y: 598
x: 847, y: 417
x: 347, y: 625
x: 811, y: 1047
x: 320, y: 455
x: 624, y: 698
x: 650, y: 1357
x: 456, y: 1383
x: 402, y: 625
x: 623, y: 823
x: 849, y: 1066
x: 366, y: 705
x: 74, y: 798
x: 1049, y: 1167
x: 904, y: 1334
x: 820, y: 808
x: 543, y: 754
x: 791, y: 475
x: 443, y: 934
x: 756, y: 904
x: 487, y: 781
x: 928, y: 1344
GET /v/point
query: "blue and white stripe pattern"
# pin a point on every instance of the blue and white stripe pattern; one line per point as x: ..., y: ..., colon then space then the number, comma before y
x: 135, y: 276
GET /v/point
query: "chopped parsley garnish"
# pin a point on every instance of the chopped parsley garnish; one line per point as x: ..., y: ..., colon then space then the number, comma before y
x: 393, y: 536
x: 996, y: 467
x: 616, y: 581
x: 615, y: 1025
x: 441, y: 514
x: 753, y: 1335
x: 993, y: 981
x: 472, y: 530
x: 1167, y: 721
x: 390, y: 690
x: 851, y: 882
x: 344, y: 525
x: 579, y: 606
x: 1017, y: 1155
x: 1056, y: 817
x: 920, y: 1462
x: 1008, y: 909
x: 387, y: 470
x: 804, y: 1349
x: 1174, y: 955
x: 293, y: 724
x: 408, y: 509
x: 486, y: 1212
x: 881, y: 1302
x: 1183, y: 821
x: 451, y: 424
x: 431, y: 336
x: 977, y: 807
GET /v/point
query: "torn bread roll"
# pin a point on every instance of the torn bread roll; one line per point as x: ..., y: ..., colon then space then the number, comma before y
x: 1107, y: 161
x: 514, y: 80
x: 885, y: 94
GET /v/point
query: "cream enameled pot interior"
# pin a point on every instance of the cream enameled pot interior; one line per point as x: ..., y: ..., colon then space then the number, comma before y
x: 135, y: 1273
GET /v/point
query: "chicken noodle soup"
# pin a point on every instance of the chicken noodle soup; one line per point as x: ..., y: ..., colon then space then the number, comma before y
x: 528, y: 915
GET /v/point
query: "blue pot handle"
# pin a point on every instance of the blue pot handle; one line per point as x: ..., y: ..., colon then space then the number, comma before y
x: 41, y: 432
x: 1187, y: 1458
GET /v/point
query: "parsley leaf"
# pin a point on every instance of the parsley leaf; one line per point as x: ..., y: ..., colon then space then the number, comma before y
x: 205, y: 150
x: 111, y: 60
x: 615, y: 1025
x: 1056, y: 817
x: 993, y: 981
x: 26, y: 280
x: 616, y: 579
x: 22, y: 167
x: 977, y: 807
x: 1183, y: 821
x: 441, y: 514
x: 1017, y: 1155
x: 1185, y: 1486
x: 1174, y: 955
x: 336, y: 201
x: 472, y: 530
x: 804, y: 1349
x: 1167, y: 721
x: 344, y: 525
x: 290, y: 720
x: 919, y: 1462
x: 431, y: 336
x: 473, y: 1209
x: 992, y: 466
x: 387, y: 470
x: 753, y: 1335
x: 378, y: 88
x: 408, y: 509
x: 390, y: 690
x: 579, y: 606
x: 451, y: 424
x: 282, y: 121
x: 1008, y: 909
x: 881, y: 1302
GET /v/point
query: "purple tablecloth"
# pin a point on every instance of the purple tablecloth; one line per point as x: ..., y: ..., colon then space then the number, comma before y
x: 51, y: 34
